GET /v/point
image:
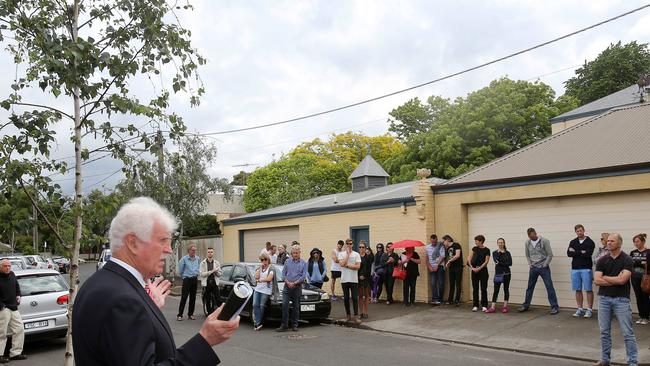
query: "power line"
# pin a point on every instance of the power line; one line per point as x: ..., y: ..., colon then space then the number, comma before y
x: 369, y: 100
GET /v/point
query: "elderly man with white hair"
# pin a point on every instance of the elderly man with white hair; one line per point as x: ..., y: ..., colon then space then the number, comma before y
x: 294, y: 273
x: 116, y: 318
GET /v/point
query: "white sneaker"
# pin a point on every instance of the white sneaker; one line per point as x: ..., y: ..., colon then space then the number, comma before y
x: 484, y: 309
x: 588, y: 313
x: 638, y: 321
x: 475, y: 308
x: 579, y: 313
x: 644, y: 322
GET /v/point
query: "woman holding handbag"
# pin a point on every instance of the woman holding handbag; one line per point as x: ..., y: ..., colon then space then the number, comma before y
x: 502, y: 274
x: 639, y: 256
x: 410, y: 260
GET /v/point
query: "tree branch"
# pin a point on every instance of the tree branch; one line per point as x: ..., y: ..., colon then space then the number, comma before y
x: 40, y: 212
x: 44, y: 107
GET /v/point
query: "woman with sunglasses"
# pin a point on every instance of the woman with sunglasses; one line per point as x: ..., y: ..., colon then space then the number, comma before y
x: 264, y: 276
x: 364, y: 278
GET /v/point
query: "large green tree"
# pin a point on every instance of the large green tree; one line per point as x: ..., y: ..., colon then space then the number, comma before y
x: 489, y: 123
x: 78, y: 62
x: 615, y: 68
x: 315, y: 168
x: 415, y: 117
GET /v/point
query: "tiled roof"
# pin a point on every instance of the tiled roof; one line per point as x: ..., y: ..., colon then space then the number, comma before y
x: 616, y: 138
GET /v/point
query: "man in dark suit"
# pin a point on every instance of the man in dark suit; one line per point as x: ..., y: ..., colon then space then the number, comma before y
x: 116, y: 318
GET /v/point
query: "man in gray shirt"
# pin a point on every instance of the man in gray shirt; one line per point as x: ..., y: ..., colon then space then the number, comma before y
x: 539, y: 256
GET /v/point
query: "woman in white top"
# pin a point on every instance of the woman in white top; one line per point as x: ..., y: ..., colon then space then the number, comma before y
x: 263, y: 290
x: 335, y: 267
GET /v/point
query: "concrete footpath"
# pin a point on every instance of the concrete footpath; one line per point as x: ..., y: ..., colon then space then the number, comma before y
x: 533, y: 332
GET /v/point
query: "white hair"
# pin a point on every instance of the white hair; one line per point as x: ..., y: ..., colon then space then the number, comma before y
x: 138, y: 217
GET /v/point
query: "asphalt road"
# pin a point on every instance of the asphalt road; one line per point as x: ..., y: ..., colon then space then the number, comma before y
x: 314, y: 345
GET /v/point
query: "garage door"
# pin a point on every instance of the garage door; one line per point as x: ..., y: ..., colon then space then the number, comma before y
x: 554, y: 218
x: 254, y: 240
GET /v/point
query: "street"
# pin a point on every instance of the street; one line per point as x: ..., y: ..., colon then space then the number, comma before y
x: 313, y: 345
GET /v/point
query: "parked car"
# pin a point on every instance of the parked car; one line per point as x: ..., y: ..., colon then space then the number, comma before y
x: 35, y: 261
x: 315, y: 304
x: 44, y: 302
x: 62, y: 263
x: 103, y: 258
x: 17, y: 264
x: 19, y: 259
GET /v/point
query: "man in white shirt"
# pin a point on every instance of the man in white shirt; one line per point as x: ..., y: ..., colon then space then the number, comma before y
x: 350, y: 262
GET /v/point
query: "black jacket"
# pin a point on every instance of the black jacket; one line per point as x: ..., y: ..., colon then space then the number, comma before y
x: 581, y: 260
x: 9, y: 289
x: 115, y: 322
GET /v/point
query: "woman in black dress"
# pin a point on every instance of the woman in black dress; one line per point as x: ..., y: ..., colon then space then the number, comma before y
x: 388, y: 261
x: 411, y: 261
x: 364, y: 278
x: 502, y: 275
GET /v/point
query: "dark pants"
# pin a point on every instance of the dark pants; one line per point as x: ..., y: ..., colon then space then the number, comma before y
x: 506, y: 288
x: 189, y: 289
x: 437, y: 283
x: 455, y: 283
x: 545, y: 273
x: 317, y: 284
x: 211, y: 297
x: 390, y: 282
x: 293, y: 295
x: 642, y: 299
x: 408, y: 289
x: 351, y: 289
x: 480, y: 278
x: 377, y: 284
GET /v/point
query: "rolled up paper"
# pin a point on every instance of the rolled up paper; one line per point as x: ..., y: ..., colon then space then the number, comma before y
x: 236, y: 301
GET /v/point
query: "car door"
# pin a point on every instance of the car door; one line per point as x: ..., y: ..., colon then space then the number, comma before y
x: 225, y: 285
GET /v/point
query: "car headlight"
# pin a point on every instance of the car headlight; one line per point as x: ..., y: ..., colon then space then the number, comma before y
x: 325, y: 296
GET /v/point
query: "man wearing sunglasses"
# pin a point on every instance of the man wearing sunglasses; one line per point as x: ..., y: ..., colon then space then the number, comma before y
x: 350, y: 262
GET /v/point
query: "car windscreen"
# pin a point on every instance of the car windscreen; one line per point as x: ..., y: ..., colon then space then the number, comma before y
x: 41, y: 284
x: 278, y: 269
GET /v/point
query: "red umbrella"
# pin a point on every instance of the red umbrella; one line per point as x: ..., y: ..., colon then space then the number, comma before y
x: 408, y: 244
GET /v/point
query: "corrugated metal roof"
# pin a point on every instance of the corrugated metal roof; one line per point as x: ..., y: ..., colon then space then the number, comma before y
x: 627, y: 96
x: 341, y: 200
x: 619, y: 137
x: 368, y: 167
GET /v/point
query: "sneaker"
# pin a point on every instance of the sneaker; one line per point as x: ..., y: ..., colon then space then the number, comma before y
x: 334, y: 298
x: 554, y: 311
x: 490, y: 310
x: 4, y: 359
x: 484, y: 309
x: 475, y: 308
x: 579, y: 313
x: 179, y: 318
x: 638, y: 321
x: 295, y: 329
x: 644, y: 322
x: 281, y: 329
x: 356, y: 320
x: 589, y: 313
x: 523, y: 309
x: 504, y: 310
x: 258, y: 327
x: 18, y: 357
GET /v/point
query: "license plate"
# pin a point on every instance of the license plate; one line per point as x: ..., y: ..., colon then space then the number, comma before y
x: 307, y: 307
x: 41, y: 324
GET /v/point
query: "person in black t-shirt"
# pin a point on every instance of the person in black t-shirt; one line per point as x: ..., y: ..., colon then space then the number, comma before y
x: 411, y: 261
x: 613, y: 274
x: 454, y: 266
x: 477, y: 261
x: 639, y: 256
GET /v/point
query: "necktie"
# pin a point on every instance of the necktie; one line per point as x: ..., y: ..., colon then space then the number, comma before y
x: 147, y: 289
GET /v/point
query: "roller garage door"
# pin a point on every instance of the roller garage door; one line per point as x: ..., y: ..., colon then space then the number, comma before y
x: 254, y: 240
x: 554, y: 218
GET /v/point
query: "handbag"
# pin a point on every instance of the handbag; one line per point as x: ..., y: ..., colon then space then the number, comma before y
x: 399, y: 273
x: 325, y: 278
x: 645, y: 281
x: 498, y: 278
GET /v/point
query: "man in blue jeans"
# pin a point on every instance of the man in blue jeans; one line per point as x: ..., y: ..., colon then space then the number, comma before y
x: 294, y: 273
x: 539, y: 256
x: 435, y: 256
x: 613, y: 274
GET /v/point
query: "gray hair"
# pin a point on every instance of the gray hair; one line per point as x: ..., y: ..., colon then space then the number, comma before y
x: 295, y: 247
x: 138, y: 217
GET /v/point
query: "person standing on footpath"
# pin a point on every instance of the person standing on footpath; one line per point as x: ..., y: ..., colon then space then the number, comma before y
x: 388, y: 261
x: 639, y: 256
x: 580, y: 251
x: 9, y: 316
x: 264, y: 275
x: 478, y: 261
x: 316, y: 268
x: 435, y: 258
x: 364, y: 273
x: 602, y: 249
x: 502, y: 275
x: 410, y: 259
x: 378, y: 274
x: 267, y: 249
x: 539, y: 256
x: 335, y: 268
x: 188, y: 269
x: 209, y: 272
x: 613, y: 273
x: 454, y: 266
x: 350, y: 262
x: 282, y: 254
x: 294, y: 273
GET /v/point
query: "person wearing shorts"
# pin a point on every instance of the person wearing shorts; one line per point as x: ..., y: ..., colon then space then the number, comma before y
x: 581, y: 250
x: 335, y: 267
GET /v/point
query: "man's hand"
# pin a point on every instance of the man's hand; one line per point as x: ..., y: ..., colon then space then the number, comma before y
x: 572, y: 250
x: 17, y: 300
x: 216, y: 331
x: 159, y: 290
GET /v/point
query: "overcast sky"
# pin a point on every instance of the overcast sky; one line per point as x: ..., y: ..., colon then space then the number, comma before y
x: 273, y: 60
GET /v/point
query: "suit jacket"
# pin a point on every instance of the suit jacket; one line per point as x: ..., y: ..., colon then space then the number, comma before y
x: 115, y: 322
